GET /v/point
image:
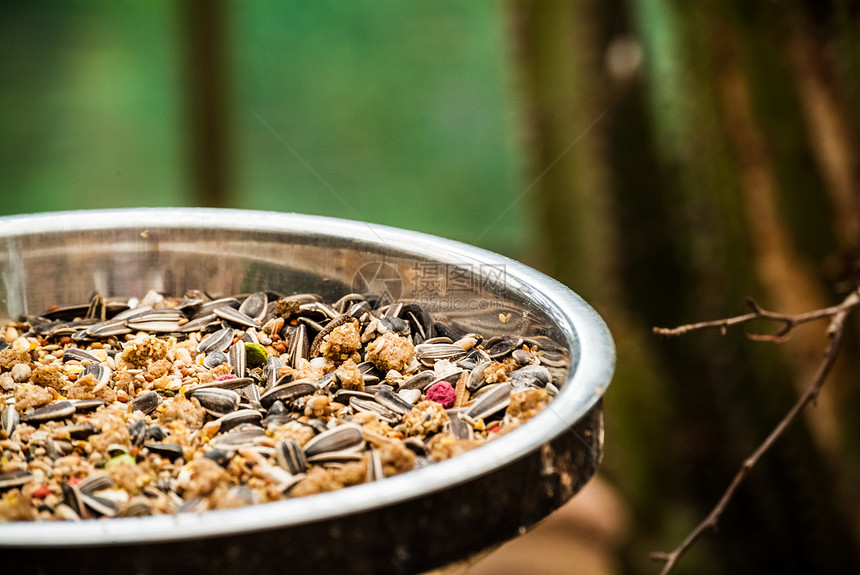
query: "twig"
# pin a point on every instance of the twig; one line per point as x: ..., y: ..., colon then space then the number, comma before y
x: 789, y: 322
x: 837, y: 315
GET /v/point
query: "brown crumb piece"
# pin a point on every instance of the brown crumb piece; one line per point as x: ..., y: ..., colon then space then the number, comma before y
x: 317, y: 406
x: 370, y: 422
x: 390, y: 351
x: 527, y: 403
x: 445, y: 446
x: 317, y: 480
x: 87, y: 387
x: 286, y: 307
x: 214, y: 373
x: 177, y: 408
x: 230, y: 499
x: 109, y: 421
x: 27, y: 396
x: 425, y: 418
x: 10, y: 357
x: 364, y: 418
x: 292, y: 430
x: 49, y: 376
x: 320, y: 479
x: 304, y: 370
x: 123, y: 380
x: 496, y: 372
x: 352, y: 473
x: 342, y: 343
x: 16, y: 506
x: 201, y: 477
x: 396, y: 458
x: 350, y: 376
x: 130, y: 476
x: 160, y: 368
x: 142, y: 351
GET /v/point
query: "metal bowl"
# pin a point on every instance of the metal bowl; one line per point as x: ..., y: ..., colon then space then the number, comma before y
x: 405, y: 524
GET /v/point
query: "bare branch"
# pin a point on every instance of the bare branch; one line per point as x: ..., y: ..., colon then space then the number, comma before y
x: 835, y: 329
x: 788, y: 322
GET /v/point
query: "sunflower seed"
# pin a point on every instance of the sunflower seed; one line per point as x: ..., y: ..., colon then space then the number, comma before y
x: 109, y: 328
x: 476, y: 377
x: 380, y: 410
x: 235, y: 316
x: 460, y: 429
x: 72, y: 497
x: 237, y: 358
x: 82, y: 405
x: 137, y: 432
x: 15, y: 478
x: 429, y: 353
x: 76, y: 431
x: 214, y: 359
x: 219, y: 456
x: 420, y: 381
x: 56, y: 410
x: 254, y: 306
x: 291, y: 456
x: 287, y: 392
x: 299, y: 345
x: 270, y: 371
x: 95, y: 482
x: 238, y: 438
x: 237, y: 418
x: 530, y: 375
x: 336, y: 457
x: 217, y: 401
x: 343, y: 438
x: 9, y: 419
x: 136, y: 507
x: 230, y: 383
x: 375, y: 471
x: 171, y: 451
x: 552, y: 358
x: 101, y: 505
x: 155, y: 433
x: 146, y: 402
x: 491, y: 402
x: 345, y: 395
x: 393, y: 401
x: 504, y: 347
x: 210, y: 306
x: 201, y: 323
x: 76, y: 354
x: 217, y: 341
x: 416, y: 446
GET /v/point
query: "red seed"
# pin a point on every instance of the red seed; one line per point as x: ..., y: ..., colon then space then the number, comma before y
x: 442, y: 392
x: 42, y: 492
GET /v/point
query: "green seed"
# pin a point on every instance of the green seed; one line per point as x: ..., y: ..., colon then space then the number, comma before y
x: 255, y: 354
x: 123, y: 457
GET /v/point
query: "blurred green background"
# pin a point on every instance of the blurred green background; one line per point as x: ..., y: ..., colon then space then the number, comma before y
x: 396, y: 113
x: 662, y: 158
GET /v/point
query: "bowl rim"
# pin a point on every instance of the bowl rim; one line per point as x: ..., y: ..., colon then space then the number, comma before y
x: 576, y: 319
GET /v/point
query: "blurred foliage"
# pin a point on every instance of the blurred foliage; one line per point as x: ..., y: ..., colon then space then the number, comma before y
x: 726, y: 167
x: 398, y: 113
x: 89, y: 108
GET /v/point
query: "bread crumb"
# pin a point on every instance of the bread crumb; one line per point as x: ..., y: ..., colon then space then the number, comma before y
x: 390, y: 351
